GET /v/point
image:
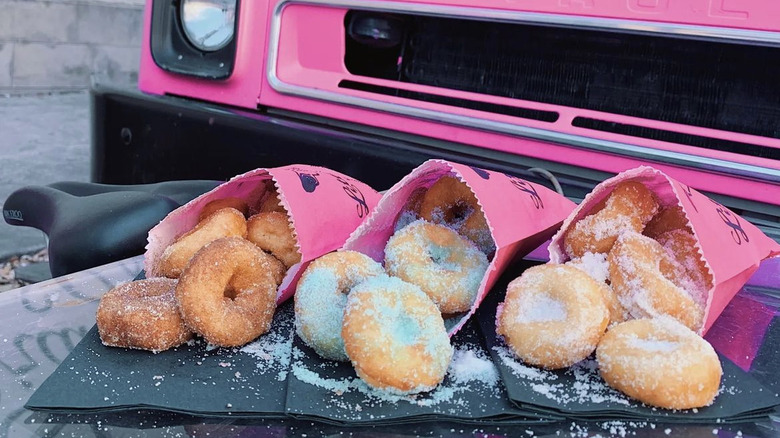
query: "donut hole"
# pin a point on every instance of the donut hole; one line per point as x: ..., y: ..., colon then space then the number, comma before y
x: 542, y: 308
x: 655, y: 345
x: 454, y: 215
x: 460, y: 212
x: 442, y: 256
x: 230, y: 293
x: 407, y: 330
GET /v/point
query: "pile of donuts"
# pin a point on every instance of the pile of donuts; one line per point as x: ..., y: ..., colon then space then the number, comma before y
x: 387, y: 319
x: 633, y: 291
x: 218, y: 281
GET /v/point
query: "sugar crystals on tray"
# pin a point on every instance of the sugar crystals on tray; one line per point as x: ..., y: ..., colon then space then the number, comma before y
x: 273, y: 350
x: 470, y: 370
x: 588, y: 385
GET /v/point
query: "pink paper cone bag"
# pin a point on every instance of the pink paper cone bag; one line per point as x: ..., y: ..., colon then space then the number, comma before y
x: 731, y: 247
x: 324, y: 207
x: 521, y: 216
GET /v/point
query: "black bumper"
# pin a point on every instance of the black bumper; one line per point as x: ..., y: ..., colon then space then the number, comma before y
x: 139, y: 138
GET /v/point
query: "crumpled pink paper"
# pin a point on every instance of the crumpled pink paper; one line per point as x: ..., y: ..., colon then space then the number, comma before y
x: 731, y: 247
x: 521, y: 216
x: 324, y: 207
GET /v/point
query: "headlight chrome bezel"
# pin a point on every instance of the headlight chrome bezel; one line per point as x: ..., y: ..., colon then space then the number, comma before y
x: 173, y: 51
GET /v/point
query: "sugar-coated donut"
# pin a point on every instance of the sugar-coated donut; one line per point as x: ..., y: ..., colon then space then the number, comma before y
x: 225, y: 222
x: 681, y: 244
x: 227, y: 293
x: 449, y: 201
x: 648, y: 281
x: 272, y: 232
x: 395, y: 336
x: 321, y: 296
x: 596, y: 265
x: 410, y: 212
x: 668, y: 219
x: 142, y: 314
x: 219, y: 204
x: 661, y: 363
x: 445, y: 265
x: 553, y: 316
x: 628, y: 207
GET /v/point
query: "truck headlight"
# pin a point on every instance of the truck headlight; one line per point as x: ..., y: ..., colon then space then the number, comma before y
x: 195, y: 37
x: 208, y: 24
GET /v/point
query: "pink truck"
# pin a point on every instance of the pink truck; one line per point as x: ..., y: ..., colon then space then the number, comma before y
x: 581, y: 88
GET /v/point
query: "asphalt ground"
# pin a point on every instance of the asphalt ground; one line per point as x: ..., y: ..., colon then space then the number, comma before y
x: 44, y: 138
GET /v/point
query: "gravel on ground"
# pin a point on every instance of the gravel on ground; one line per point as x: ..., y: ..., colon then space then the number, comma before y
x: 8, y: 279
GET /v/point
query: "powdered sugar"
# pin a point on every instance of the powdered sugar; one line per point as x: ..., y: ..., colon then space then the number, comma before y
x: 273, y: 349
x: 594, y: 264
x: 472, y: 365
x: 541, y: 308
x: 587, y: 386
x: 471, y: 385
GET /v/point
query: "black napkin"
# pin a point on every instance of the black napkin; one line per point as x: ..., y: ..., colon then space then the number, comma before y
x: 192, y: 379
x: 579, y: 392
x: 330, y: 391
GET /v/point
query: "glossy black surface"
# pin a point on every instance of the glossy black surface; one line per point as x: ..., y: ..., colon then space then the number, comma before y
x: 43, y: 323
x: 139, y: 139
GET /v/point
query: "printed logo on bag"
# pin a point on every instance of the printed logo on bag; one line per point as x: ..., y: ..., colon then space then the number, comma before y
x: 525, y: 186
x: 732, y: 221
x: 688, y: 192
x: 309, y: 181
x: 13, y: 215
x: 353, y: 192
x: 484, y: 174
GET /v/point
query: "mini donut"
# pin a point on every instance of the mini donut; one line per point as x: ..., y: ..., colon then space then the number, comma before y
x: 628, y: 207
x: 667, y: 219
x: 553, y: 316
x: 219, y: 204
x: 395, y: 337
x: 225, y: 222
x: 445, y: 265
x: 271, y: 201
x: 227, y: 293
x: 321, y: 296
x: 411, y: 210
x: 682, y: 244
x: 660, y: 362
x: 450, y: 202
x: 596, y: 265
x: 271, y: 231
x: 647, y: 281
x: 142, y: 314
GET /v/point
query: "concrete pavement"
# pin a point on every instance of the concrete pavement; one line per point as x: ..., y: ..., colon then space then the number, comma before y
x: 44, y: 138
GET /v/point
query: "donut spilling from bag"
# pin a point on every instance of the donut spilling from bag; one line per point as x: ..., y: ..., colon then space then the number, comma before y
x: 222, y: 277
x: 387, y: 319
x: 632, y: 289
x: 219, y: 265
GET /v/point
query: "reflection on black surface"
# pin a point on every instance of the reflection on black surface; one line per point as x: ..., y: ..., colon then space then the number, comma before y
x: 31, y: 350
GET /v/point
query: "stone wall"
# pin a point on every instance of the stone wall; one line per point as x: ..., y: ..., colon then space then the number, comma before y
x: 60, y: 45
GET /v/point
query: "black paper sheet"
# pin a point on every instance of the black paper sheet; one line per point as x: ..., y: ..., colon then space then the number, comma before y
x: 192, y: 379
x: 579, y: 392
x: 330, y: 391
x: 278, y: 376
